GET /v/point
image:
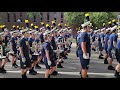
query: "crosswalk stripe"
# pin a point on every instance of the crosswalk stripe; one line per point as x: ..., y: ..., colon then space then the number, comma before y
x: 72, y: 73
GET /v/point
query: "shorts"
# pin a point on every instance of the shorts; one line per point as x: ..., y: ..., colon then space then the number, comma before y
x: 46, y: 63
x: 15, y: 53
x: 100, y: 46
x: 34, y: 57
x: 27, y: 63
x: 117, y: 54
x: 84, y: 62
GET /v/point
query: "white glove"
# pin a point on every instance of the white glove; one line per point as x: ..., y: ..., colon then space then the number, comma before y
x: 23, y: 59
x: 49, y: 62
x: 86, y: 57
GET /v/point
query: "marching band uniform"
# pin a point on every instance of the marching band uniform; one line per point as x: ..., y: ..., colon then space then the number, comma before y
x: 13, y: 44
x: 111, y: 46
x: 2, y: 43
x: 25, y: 61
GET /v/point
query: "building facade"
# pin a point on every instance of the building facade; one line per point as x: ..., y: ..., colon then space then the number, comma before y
x: 18, y: 18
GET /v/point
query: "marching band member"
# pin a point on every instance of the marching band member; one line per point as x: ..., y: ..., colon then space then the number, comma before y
x: 111, y: 45
x: 47, y: 54
x: 3, y: 55
x: 106, y: 38
x: 25, y: 62
x: 31, y: 40
x: 38, y: 50
x: 13, y: 45
x: 117, y: 68
x: 84, y: 49
x: 54, y: 46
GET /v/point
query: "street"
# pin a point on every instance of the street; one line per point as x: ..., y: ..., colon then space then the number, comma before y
x: 71, y: 68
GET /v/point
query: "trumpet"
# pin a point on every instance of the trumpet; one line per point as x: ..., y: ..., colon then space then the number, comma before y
x: 35, y: 48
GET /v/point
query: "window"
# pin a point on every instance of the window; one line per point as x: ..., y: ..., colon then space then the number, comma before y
x: 47, y: 17
x: 62, y: 17
x: 8, y: 17
x: 41, y: 16
x: 14, y: 16
x: 27, y: 17
x: 34, y: 18
x: 21, y: 17
x: 54, y: 16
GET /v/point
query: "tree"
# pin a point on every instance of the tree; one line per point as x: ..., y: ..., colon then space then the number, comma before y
x: 74, y: 18
x: 97, y: 18
x: 31, y: 14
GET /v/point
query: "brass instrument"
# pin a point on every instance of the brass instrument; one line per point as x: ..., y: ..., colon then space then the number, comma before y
x: 35, y: 48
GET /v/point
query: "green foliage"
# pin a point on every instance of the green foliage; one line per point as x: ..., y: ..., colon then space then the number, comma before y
x: 74, y: 18
x: 31, y: 14
x: 98, y: 18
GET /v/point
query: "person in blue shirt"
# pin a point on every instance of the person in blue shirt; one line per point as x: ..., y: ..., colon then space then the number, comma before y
x: 41, y: 36
x: 59, y: 43
x: 111, y: 45
x: 101, y: 43
x: 3, y: 62
x: 39, y: 57
x: 117, y: 53
x: 13, y: 44
x: 31, y: 40
x: 84, y: 49
x: 92, y: 35
x: 53, y: 44
x: 106, y: 38
x: 6, y: 38
x: 24, y: 48
x: 77, y: 42
x: 47, y: 54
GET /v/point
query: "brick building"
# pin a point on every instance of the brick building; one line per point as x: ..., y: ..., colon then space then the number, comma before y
x: 13, y: 18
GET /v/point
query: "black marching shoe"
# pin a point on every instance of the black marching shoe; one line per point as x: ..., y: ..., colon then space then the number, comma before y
x: 65, y: 57
x: 117, y: 74
x: 37, y: 66
x: 15, y: 65
x: 93, y: 49
x: 2, y: 70
x: 49, y: 76
x: 24, y: 76
x: 55, y: 73
x: 9, y: 60
x: 32, y: 72
x: 59, y: 65
x: 105, y: 61
x: 100, y: 57
x: 111, y: 68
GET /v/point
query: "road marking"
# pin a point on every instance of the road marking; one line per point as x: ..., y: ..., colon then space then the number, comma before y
x: 1, y: 77
x: 72, y: 73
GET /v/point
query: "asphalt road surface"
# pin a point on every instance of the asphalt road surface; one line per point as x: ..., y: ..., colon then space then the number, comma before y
x: 71, y: 68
